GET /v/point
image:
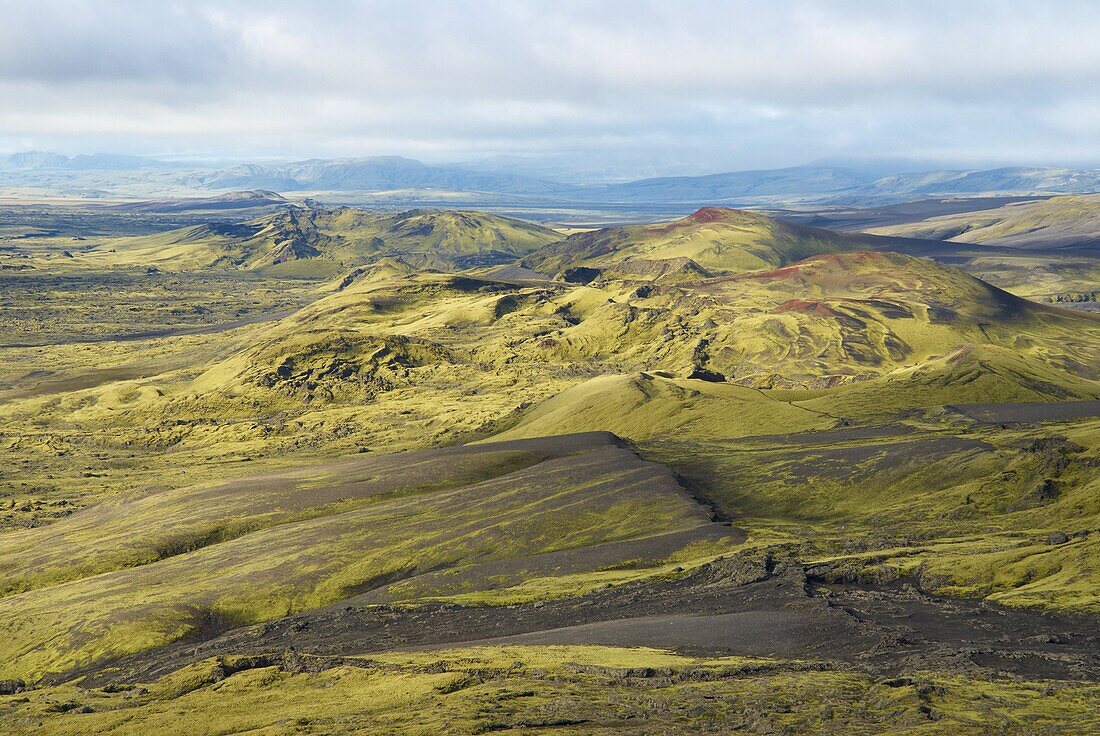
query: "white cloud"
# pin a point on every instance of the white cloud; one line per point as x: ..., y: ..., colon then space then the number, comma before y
x: 716, y: 84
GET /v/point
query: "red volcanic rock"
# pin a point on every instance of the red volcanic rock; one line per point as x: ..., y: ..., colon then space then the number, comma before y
x: 710, y: 214
x: 701, y: 216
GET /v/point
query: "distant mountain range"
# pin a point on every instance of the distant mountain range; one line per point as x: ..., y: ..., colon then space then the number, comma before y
x: 378, y: 173
x: 736, y: 185
x: 43, y: 160
x: 837, y: 184
x: 811, y: 182
x: 1013, y: 179
x: 841, y: 184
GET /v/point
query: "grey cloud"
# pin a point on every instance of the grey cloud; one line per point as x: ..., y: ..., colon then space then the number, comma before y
x: 713, y: 83
x: 74, y: 41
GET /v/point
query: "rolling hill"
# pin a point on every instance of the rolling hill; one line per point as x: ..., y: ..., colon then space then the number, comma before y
x: 840, y: 342
x: 1056, y: 223
x: 843, y: 184
x: 322, y: 241
x: 716, y: 241
x: 396, y: 359
x: 1047, y: 249
x: 405, y: 182
x: 491, y: 516
x: 712, y: 241
x: 825, y: 320
x: 826, y: 471
x: 894, y: 332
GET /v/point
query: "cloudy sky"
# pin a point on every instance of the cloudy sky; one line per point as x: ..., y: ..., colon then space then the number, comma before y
x: 679, y: 85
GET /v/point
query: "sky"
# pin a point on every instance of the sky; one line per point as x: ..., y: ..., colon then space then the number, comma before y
x: 622, y: 88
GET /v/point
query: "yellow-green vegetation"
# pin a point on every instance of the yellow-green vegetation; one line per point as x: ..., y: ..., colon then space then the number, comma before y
x: 577, y: 690
x: 1004, y: 514
x: 714, y: 240
x: 1046, y: 247
x: 148, y: 570
x: 139, y: 528
x: 644, y: 405
x: 344, y: 428
x: 406, y: 361
x: 832, y: 320
x: 88, y: 431
x: 45, y: 307
x: 1057, y: 222
x: 1068, y: 278
x: 313, y: 241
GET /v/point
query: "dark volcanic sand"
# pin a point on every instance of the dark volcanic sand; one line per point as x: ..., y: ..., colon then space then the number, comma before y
x: 1057, y: 411
x: 731, y: 607
x: 747, y: 605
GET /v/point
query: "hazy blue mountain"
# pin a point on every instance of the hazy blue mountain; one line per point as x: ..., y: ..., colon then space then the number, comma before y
x: 112, y: 161
x: 822, y: 183
x: 591, y: 170
x: 377, y: 173
x: 33, y: 160
x: 859, y: 184
x: 44, y: 160
x: 1011, y: 179
x: 736, y: 185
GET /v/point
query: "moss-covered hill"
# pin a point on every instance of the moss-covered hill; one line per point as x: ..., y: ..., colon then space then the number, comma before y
x: 143, y: 572
x: 1070, y: 221
x: 819, y: 455
x: 319, y: 241
x: 396, y: 360
x: 711, y: 241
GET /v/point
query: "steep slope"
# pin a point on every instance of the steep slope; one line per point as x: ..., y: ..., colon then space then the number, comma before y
x: 1055, y: 223
x: 856, y: 351
x: 393, y: 358
x: 836, y: 486
x: 321, y: 241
